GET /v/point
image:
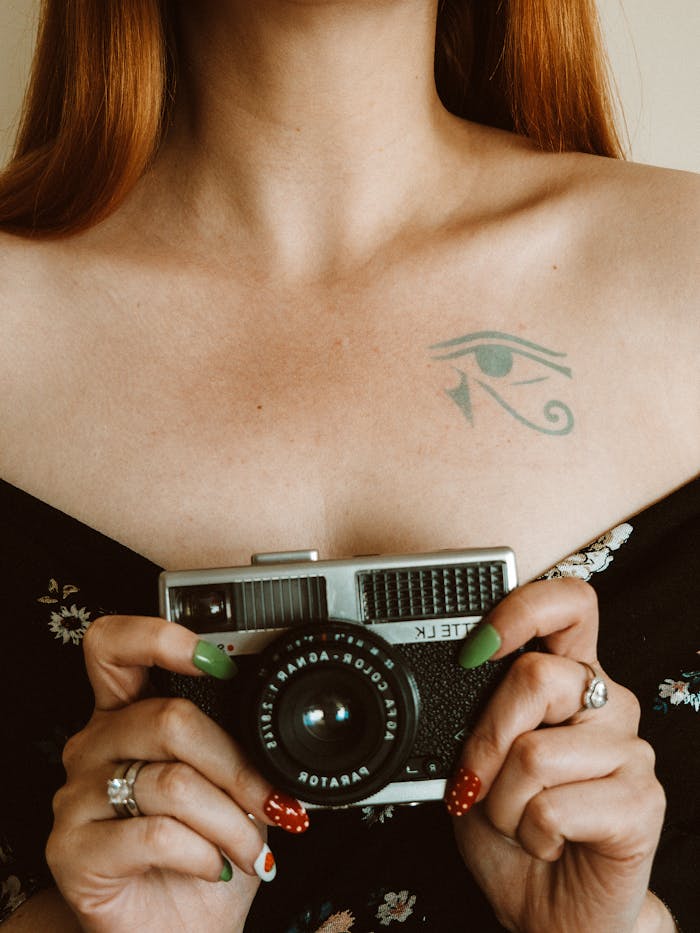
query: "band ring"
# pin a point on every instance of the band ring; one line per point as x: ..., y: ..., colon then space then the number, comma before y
x: 120, y: 788
x: 596, y: 693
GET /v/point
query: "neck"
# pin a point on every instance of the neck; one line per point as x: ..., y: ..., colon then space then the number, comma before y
x: 308, y: 127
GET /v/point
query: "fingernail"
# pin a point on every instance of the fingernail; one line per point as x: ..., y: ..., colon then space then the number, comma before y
x: 264, y: 864
x: 461, y: 792
x: 286, y: 812
x: 479, y: 646
x: 226, y: 871
x: 212, y: 660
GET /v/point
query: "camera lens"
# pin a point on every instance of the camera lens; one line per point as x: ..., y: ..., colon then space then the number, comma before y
x: 329, y: 718
x: 336, y: 713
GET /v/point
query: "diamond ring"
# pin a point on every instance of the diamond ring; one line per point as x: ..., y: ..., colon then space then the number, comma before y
x: 120, y: 788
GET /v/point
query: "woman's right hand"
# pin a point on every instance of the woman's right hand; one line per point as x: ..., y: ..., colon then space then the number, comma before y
x: 193, y: 859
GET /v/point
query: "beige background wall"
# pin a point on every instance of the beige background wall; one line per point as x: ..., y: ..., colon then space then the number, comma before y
x: 654, y: 46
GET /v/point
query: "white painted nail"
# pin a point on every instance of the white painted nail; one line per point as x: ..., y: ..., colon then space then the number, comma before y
x: 264, y: 865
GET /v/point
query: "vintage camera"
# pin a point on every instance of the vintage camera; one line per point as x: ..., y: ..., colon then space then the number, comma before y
x: 349, y: 691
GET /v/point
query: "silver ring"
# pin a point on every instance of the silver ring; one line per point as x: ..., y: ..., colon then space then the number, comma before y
x: 120, y: 788
x: 596, y: 693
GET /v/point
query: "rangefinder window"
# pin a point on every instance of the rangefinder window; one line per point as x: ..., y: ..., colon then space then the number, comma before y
x: 431, y: 592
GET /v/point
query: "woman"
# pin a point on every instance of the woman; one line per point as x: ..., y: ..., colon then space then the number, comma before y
x: 326, y: 310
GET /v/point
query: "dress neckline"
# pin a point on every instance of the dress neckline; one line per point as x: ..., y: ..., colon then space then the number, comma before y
x: 678, y: 497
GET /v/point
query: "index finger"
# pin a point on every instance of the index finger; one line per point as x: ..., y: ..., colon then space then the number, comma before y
x: 562, y: 612
x: 119, y: 650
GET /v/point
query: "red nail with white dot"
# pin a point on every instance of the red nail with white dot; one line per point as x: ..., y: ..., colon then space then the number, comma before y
x: 461, y: 792
x: 286, y: 812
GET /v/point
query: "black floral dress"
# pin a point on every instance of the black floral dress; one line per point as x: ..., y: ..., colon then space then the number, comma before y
x: 360, y: 870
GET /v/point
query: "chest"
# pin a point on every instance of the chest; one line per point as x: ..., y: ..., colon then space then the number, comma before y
x: 393, y: 421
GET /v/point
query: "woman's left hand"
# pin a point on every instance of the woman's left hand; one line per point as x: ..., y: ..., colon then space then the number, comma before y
x: 567, y: 818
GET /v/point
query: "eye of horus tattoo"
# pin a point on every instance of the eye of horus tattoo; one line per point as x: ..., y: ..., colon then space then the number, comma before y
x: 489, y: 363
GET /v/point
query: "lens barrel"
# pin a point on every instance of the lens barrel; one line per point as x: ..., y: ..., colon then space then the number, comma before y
x: 334, y: 713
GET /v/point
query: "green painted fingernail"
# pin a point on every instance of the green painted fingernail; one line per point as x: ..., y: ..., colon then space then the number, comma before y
x: 226, y: 871
x: 479, y: 646
x: 212, y: 660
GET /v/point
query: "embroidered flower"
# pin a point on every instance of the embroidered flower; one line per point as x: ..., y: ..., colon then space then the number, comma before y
x: 341, y: 922
x: 373, y: 815
x: 673, y: 690
x: 685, y: 692
x: 54, y: 589
x: 70, y: 624
x: 11, y: 896
x: 396, y: 907
x: 593, y: 559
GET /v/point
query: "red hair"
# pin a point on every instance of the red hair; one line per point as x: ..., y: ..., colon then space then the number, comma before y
x: 103, y: 79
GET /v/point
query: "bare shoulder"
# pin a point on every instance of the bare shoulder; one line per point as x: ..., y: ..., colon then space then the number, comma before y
x: 28, y: 271
x: 657, y: 204
x: 641, y: 225
x: 630, y: 222
x: 627, y: 236
x: 25, y: 268
x: 37, y: 277
x: 38, y: 326
x: 635, y: 235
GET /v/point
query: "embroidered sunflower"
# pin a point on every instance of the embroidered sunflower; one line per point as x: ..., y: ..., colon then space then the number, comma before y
x: 70, y: 624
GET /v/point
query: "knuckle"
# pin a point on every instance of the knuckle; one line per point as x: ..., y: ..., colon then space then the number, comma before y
x: 527, y: 754
x: 243, y: 779
x: 175, y: 782
x: 542, y: 816
x: 73, y: 751
x: 521, y: 602
x: 646, y: 789
x: 497, y: 819
x: 658, y: 803
x: 532, y: 671
x: 60, y: 850
x: 53, y: 850
x: 646, y: 756
x: 580, y: 593
x: 649, y: 809
x: 630, y: 707
x: 176, y: 719
x: 60, y: 802
x: 158, y: 834
x: 583, y: 591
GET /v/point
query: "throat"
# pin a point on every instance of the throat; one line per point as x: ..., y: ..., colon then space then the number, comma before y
x: 304, y: 130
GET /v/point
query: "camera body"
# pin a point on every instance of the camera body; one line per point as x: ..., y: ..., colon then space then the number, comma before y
x: 349, y: 691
